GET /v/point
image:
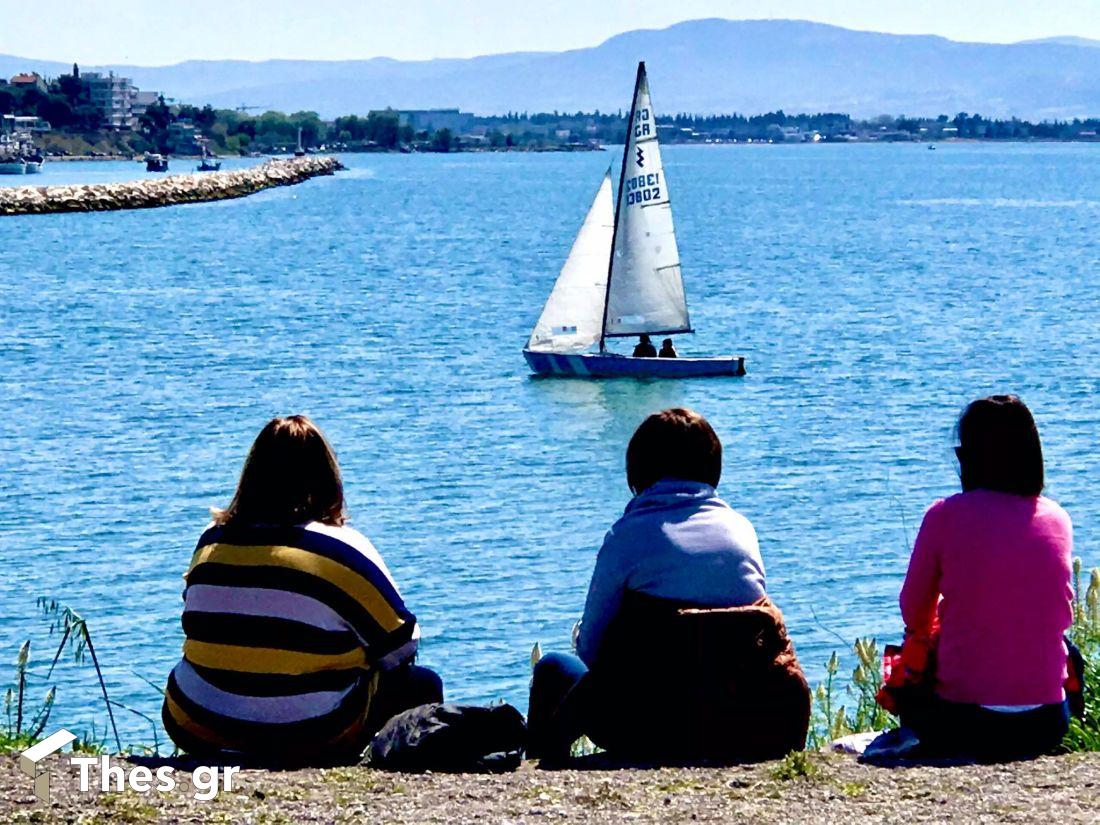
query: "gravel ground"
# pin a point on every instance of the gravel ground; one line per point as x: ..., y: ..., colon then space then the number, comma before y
x: 830, y: 789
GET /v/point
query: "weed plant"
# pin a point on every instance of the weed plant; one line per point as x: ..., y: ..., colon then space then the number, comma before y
x: 833, y: 719
x: 25, y: 719
x: 1084, y: 734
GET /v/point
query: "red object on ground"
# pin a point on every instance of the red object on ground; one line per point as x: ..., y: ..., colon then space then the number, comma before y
x: 908, y: 666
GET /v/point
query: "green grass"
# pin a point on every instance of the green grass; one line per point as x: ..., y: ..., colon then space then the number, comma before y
x: 1084, y: 734
x: 796, y: 765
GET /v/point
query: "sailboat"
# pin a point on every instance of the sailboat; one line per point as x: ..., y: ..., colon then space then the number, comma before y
x: 622, y: 277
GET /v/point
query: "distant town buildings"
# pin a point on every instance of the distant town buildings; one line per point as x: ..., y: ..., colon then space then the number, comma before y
x: 119, y: 102
x: 118, y: 106
x: 432, y: 120
x: 29, y: 79
x: 10, y: 124
x: 141, y: 103
x: 184, y: 138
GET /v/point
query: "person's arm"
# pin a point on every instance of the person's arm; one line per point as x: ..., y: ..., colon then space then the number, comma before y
x: 376, y: 612
x: 920, y: 595
x: 605, y: 596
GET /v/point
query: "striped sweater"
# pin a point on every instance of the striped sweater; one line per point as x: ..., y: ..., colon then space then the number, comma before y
x: 287, y: 630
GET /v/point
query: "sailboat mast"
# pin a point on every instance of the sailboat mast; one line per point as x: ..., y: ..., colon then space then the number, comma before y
x: 619, y: 200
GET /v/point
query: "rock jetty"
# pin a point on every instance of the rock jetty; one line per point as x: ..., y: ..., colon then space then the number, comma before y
x: 166, y: 191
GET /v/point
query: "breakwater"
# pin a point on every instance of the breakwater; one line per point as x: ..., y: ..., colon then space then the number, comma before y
x: 166, y: 191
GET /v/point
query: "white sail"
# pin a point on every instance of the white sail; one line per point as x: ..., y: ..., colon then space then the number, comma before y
x: 647, y: 292
x: 573, y: 315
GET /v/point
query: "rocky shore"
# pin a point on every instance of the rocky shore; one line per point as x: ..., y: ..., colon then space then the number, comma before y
x: 826, y: 789
x: 166, y: 191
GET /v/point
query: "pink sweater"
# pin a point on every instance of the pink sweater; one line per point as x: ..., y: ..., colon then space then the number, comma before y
x: 1002, y: 564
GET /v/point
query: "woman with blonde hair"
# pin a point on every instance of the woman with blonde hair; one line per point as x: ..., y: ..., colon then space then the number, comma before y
x: 298, y: 645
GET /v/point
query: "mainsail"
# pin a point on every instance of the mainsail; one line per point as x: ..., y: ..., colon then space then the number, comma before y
x: 645, y: 292
x: 572, y: 318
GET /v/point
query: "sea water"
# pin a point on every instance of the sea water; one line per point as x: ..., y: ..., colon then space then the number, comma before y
x: 874, y: 290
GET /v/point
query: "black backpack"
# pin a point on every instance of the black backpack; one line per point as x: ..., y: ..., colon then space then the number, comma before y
x: 451, y: 738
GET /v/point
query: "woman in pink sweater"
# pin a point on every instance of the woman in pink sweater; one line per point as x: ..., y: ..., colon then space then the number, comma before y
x: 993, y: 563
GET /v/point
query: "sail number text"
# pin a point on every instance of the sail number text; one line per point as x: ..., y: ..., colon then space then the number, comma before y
x: 641, y: 123
x: 643, y: 188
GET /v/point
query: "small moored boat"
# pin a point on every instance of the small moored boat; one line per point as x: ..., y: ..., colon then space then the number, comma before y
x: 34, y: 162
x: 622, y: 277
x: 209, y: 164
x: 11, y: 159
x: 12, y: 165
x: 156, y: 163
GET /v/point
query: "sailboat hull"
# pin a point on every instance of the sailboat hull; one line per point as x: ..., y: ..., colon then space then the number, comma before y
x: 606, y: 365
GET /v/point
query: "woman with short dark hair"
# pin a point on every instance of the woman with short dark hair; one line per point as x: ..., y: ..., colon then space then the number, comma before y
x: 991, y: 567
x: 677, y: 538
x: 298, y: 645
x: 669, y: 581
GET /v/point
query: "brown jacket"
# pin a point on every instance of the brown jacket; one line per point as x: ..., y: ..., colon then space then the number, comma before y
x: 676, y: 682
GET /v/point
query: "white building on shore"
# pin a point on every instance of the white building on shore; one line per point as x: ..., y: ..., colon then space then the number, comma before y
x: 113, y: 96
x: 118, y: 100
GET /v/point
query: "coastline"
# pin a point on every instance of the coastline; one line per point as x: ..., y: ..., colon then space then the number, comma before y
x: 568, y: 148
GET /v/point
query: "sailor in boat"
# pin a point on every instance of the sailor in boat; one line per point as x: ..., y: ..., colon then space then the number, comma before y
x: 645, y: 348
x: 667, y: 350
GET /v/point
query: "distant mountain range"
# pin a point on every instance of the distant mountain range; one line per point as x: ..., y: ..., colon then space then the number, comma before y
x: 701, y: 66
x: 1065, y: 41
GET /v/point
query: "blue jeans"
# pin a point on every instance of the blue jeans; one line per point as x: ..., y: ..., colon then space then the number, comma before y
x: 553, y: 721
x: 957, y: 729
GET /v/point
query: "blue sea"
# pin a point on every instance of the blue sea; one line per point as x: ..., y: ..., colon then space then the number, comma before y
x: 874, y: 290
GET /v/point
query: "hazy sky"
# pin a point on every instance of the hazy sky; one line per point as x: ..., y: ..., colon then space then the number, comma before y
x: 153, y: 33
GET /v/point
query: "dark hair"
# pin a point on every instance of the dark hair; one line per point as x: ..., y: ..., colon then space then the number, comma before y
x: 676, y: 443
x: 999, y: 447
x: 290, y: 477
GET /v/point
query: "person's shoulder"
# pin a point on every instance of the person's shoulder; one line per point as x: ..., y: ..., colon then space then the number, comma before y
x: 945, y: 505
x: 1051, y: 509
x: 210, y: 534
x: 342, y: 532
x: 982, y: 503
x: 726, y: 509
x: 348, y: 535
x: 737, y: 523
x: 940, y: 510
